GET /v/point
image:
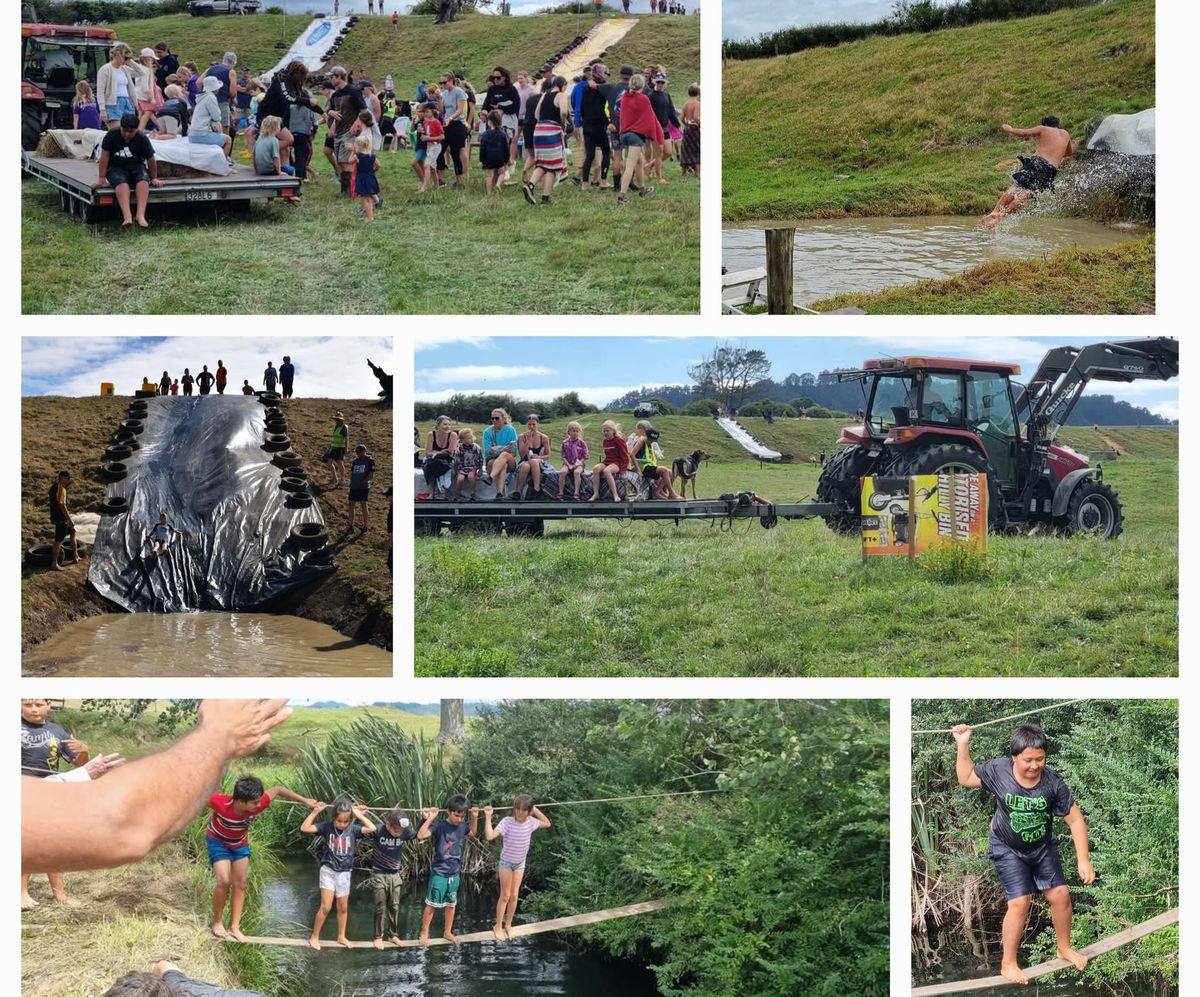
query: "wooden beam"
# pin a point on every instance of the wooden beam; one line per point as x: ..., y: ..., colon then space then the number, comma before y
x: 780, y: 246
x: 518, y: 930
x: 1108, y: 944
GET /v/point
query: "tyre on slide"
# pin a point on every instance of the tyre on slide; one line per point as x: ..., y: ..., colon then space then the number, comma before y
x: 309, y: 536
x: 114, y: 505
x: 1094, y: 510
x: 38, y: 556
x: 277, y: 441
x: 113, y: 470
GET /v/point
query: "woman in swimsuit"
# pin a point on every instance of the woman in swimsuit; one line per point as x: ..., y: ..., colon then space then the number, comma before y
x: 534, y: 447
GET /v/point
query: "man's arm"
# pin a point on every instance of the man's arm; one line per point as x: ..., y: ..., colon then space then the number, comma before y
x: 287, y: 794
x: 152, y: 166
x: 964, y: 768
x: 102, y: 174
x: 1033, y: 132
x: 1079, y: 835
x: 124, y: 816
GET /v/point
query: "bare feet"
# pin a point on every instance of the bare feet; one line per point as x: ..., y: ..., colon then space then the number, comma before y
x: 314, y: 943
x: 27, y: 902
x: 378, y: 943
x: 65, y: 901
x: 989, y: 221
x: 343, y: 941
x: 143, y: 223
x: 218, y: 930
x: 236, y: 933
x: 498, y: 932
x: 394, y: 940
x: 508, y: 932
x: 1012, y: 972
x: 451, y: 937
x: 1074, y: 958
x: 424, y: 939
x: 127, y: 223
x: 594, y: 497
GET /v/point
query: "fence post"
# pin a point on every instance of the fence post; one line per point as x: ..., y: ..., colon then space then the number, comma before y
x: 780, y: 246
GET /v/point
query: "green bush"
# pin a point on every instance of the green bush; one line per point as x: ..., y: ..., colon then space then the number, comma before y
x: 702, y: 406
x: 778, y: 410
x: 461, y: 568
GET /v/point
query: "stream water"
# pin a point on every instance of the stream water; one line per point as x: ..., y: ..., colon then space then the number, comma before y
x: 844, y: 255
x: 203, y: 644
x: 535, y: 966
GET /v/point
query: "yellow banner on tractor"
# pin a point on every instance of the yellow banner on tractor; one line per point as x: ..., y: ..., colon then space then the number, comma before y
x: 914, y: 514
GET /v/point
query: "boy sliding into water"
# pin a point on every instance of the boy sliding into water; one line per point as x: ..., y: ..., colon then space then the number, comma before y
x: 448, y: 835
x: 1022, y: 845
x: 385, y: 875
x: 228, y: 840
x: 516, y: 831
x: 160, y: 536
x: 339, y: 846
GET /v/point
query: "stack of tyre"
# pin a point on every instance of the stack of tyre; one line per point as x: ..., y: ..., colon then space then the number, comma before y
x: 548, y: 66
x: 293, y: 477
x: 122, y: 446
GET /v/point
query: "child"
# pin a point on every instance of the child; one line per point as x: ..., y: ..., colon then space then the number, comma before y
x: 385, y: 875
x: 493, y: 151
x: 616, y: 460
x: 574, y: 453
x: 1022, y: 845
x: 448, y: 836
x: 85, y: 112
x: 173, y: 115
x: 339, y: 846
x: 266, y: 149
x: 160, y: 535
x: 431, y: 133
x: 468, y: 459
x: 227, y: 838
x: 302, y: 123
x: 175, y: 386
x: 516, y: 831
x: 366, y: 184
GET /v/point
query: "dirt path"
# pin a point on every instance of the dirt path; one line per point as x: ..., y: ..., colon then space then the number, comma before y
x: 600, y: 39
x: 1113, y: 446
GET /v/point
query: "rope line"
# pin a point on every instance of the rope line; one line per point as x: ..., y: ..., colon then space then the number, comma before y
x: 1000, y: 720
x: 559, y: 803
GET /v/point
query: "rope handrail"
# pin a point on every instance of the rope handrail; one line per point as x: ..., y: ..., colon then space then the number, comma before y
x: 1000, y: 720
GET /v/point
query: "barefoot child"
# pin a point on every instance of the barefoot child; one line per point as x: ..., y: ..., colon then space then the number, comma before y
x: 468, y: 460
x: 616, y: 460
x: 516, y: 832
x: 574, y: 454
x: 227, y: 838
x: 339, y: 845
x: 366, y: 184
x: 448, y: 835
x: 1022, y: 845
x: 160, y: 536
x: 493, y: 150
x: 386, y: 883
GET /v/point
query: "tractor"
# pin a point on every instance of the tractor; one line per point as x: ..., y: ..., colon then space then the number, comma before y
x: 931, y: 415
x: 54, y: 57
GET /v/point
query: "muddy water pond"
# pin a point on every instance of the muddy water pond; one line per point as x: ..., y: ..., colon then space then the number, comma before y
x: 203, y: 644
x: 860, y: 255
x: 535, y: 966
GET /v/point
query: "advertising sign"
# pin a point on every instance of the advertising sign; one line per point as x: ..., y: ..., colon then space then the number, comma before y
x: 913, y: 514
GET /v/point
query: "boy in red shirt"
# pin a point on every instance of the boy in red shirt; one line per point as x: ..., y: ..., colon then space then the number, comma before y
x: 228, y: 841
x: 431, y: 132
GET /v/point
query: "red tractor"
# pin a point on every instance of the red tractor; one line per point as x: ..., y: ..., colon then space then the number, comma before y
x: 54, y: 57
x: 929, y: 415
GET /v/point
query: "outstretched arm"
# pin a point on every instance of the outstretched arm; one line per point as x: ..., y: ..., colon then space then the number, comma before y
x: 1079, y: 835
x: 964, y: 768
x: 135, y: 808
x: 284, y: 793
x: 1022, y: 132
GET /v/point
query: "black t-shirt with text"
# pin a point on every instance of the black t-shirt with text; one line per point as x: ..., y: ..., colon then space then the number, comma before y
x: 389, y: 850
x: 41, y: 747
x: 120, y: 151
x: 1024, y: 817
x: 340, y: 847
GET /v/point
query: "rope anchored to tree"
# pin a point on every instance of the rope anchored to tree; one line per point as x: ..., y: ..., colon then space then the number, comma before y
x: 1000, y: 720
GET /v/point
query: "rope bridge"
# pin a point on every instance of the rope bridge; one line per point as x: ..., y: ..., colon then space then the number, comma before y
x: 517, y: 930
x: 1120, y: 939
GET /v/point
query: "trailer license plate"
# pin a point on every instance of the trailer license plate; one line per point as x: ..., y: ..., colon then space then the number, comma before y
x: 200, y: 195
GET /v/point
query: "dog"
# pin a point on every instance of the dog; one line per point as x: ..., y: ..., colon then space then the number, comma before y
x: 685, y: 469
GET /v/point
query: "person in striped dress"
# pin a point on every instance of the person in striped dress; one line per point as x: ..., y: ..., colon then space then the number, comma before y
x: 227, y: 838
x: 516, y: 830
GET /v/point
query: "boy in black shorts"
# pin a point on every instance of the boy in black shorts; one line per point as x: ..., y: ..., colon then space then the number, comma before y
x: 362, y: 470
x: 127, y: 161
x: 1022, y: 845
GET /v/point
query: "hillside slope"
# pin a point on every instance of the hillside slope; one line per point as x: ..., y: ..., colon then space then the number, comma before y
x: 929, y: 108
x: 417, y: 50
x: 71, y: 433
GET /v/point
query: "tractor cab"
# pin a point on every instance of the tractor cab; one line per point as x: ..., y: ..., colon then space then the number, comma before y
x: 54, y: 57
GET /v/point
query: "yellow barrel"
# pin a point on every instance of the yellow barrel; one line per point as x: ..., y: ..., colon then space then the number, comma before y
x: 106, y: 389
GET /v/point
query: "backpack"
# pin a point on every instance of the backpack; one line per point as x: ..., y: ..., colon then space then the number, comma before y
x: 493, y: 149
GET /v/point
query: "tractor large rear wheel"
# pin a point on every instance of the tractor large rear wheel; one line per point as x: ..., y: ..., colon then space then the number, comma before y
x: 1094, y: 509
x: 949, y: 458
x: 838, y: 484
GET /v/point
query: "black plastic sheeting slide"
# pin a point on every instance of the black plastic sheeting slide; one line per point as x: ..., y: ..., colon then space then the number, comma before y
x: 201, y: 462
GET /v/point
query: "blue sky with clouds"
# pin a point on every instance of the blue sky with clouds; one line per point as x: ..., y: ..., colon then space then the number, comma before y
x: 747, y: 18
x: 604, y: 368
x: 326, y: 366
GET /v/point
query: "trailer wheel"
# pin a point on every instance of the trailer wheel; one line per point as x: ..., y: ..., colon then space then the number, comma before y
x: 427, y: 528
x: 1095, y: 510
x: 527, y: 528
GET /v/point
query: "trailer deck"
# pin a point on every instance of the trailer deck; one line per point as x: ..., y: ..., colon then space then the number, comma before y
x: 530, y: 516
x: 74, y: 178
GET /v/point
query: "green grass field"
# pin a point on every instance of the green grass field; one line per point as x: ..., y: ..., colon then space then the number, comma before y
x: 604, y: 598
x: 910, y: 125
x: 449, y: 251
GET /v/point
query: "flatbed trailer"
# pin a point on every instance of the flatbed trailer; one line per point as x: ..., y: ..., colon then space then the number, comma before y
x: 529, y: 517
x: 77, y: 197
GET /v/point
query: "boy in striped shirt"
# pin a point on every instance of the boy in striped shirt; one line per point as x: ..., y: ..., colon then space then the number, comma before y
x: 516, y: 832
x: 228, y: 840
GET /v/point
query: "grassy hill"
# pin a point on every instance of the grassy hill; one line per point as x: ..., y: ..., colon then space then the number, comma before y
x: 418, y: 50
x: 72, y: 434
x: 928, y: 108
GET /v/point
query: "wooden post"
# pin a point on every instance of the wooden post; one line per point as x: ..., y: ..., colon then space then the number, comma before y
x: 780, y: 246
x: 912, y: 521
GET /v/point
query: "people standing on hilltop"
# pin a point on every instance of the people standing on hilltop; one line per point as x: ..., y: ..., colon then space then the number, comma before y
x: 164, y: 384
x: 246, y: 389
x: 205, y: 380
x: 270, y: 376
x: 222, y: 377
x: 187, y: 381
x: 287, y: 374
x: 175, y: 387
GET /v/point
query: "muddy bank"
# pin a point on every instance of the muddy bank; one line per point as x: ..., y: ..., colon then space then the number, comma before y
x: 71, y: 433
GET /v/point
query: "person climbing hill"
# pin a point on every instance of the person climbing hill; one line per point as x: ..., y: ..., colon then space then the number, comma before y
x: 64, y: 526
x: 1022, y: 846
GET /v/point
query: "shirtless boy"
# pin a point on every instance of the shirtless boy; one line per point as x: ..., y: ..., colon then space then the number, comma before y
x: 1037, y: 172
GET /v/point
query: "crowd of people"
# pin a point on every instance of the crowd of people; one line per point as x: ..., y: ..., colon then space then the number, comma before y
x: 516, y: 465
x: 282, y: 378
x: 530, y: 128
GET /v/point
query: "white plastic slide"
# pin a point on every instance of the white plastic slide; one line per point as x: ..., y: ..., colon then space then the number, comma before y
x: 312, y: 44
x: 748, y: 442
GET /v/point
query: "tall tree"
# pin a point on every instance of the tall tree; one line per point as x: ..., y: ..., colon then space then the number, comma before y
x: 729, y: 371
x: 453, y: 727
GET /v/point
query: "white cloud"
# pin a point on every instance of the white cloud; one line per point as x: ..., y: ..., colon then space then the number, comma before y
x: 481, y: 372
x: 326, y: 367
x: 433, y: 340
x: 600, y: 394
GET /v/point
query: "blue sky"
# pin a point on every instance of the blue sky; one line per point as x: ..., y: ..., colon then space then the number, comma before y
x: 326, y: 366
x: 603, y: 368
x: 747, y: 18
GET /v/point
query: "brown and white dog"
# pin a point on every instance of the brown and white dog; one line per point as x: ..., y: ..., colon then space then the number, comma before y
x: 685, y: 469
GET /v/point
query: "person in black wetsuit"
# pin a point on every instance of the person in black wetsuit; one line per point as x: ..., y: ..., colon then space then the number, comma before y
x: 593, y: 113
